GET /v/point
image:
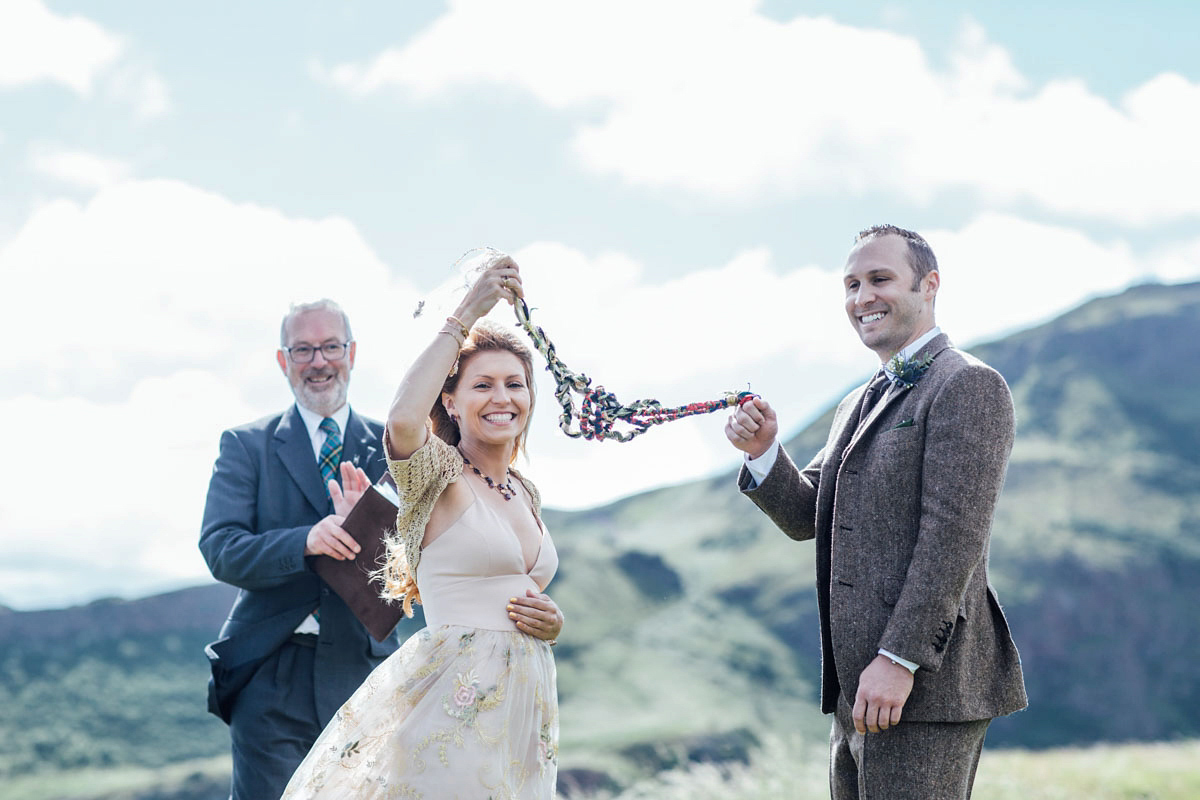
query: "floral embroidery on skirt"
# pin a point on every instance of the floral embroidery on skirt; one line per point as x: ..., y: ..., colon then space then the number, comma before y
x: 455, y: 713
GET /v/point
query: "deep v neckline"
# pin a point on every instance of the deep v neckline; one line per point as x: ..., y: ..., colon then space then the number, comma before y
x: 477, y: 500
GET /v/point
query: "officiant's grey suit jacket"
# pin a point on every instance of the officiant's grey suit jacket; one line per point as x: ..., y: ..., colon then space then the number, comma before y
x: 265, y: 493
x: 901, y: 508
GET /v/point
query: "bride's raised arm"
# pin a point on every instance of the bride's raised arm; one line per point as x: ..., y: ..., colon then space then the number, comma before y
x: 422, y: 385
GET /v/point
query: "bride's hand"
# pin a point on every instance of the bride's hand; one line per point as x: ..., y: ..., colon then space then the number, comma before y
x: 537, y: 615
x: 354, y: 484
x: 500, y: 281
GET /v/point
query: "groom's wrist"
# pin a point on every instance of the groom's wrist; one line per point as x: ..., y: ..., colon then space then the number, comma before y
x: 898, y: 661
x: 760, y: 466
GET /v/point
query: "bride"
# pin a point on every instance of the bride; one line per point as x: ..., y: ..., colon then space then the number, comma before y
x: 468, y: 707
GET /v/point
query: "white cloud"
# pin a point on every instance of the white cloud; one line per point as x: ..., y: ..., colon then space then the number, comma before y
x: 152, y: 312
x: 1177, y: 262
x: 679, y: 341
x: 1002, y: 273
x: 781, y: 328
x: 78, y: 168
x: 155, y: 307
x: 139, y: 86
x: 715, y: 98
x: 124, y: 515
x: 37, y: 45
x: 151, y: 272
x: 624, y: 322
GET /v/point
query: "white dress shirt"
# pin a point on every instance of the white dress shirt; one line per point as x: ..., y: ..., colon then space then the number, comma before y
x: 312, y: 423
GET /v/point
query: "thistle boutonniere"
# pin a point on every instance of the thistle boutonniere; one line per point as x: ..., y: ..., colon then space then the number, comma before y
x: 907, y: 371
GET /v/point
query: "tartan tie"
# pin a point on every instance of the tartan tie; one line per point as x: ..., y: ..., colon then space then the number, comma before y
x: 331, y: 452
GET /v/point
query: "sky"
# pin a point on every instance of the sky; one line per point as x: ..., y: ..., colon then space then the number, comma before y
x: 679, y: 180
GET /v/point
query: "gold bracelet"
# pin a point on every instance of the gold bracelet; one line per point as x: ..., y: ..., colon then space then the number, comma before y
x: 463, y: 328
x: 453, y: 334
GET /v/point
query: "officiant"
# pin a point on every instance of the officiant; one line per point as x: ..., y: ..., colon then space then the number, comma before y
x: 290, y: 652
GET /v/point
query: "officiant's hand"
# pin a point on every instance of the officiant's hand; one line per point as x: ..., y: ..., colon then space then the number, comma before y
x: 537, y: 615
x: 329, y: 538
x: 354, y: 485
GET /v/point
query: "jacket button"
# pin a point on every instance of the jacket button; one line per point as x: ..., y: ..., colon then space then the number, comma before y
x: 325, y: 591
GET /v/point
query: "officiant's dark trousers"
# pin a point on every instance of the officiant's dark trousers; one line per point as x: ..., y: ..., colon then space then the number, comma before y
x: 274, y: 723
x: 909, y: 761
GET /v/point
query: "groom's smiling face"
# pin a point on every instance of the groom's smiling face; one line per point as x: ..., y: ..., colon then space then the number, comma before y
x: 886, y: 304
x: 320, y: 385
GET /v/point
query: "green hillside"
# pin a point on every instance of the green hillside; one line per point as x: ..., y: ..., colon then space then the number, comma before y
x: 692, y: 633
x: 1097, y: 545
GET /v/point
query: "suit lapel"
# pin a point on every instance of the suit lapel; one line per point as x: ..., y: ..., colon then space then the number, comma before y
x: 296, y: 453
x: 890, y: 396
x: 850, y: 424
x: 359, y: 447
x: 893, y: 393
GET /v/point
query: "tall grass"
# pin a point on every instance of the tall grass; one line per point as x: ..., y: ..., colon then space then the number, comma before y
x: 794, y: 769
x: 782, y: 769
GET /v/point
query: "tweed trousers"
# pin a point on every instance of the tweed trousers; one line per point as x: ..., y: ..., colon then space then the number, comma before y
x: 910, y: 761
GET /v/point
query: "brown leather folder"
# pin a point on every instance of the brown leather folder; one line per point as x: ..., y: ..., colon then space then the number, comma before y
x: 368, y: 522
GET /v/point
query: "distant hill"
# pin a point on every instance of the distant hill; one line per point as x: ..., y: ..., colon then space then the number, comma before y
x: 110, y: 683
x: 692, y: 628
x: 1097, y: 546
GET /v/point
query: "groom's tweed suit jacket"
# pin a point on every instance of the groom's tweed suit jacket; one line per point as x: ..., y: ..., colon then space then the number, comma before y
x: 901, y: 508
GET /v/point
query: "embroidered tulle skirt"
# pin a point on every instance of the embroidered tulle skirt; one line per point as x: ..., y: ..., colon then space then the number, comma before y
x: 455, y: 713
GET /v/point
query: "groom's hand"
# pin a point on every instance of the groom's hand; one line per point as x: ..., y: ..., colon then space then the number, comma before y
x: 883, y: 689
x: 753, y: 427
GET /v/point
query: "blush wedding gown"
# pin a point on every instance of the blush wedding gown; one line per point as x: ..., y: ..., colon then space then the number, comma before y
x: 467, y: 708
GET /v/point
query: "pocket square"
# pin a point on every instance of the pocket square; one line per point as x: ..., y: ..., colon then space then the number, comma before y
x: 904, y: 423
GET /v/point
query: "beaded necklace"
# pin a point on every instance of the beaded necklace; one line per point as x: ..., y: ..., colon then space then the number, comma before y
x: 506, y: 489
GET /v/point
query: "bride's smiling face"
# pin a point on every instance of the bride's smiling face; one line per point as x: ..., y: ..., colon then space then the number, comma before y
x: 492, y: 399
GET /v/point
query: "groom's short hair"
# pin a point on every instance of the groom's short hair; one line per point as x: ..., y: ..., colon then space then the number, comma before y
x: 920, y: 254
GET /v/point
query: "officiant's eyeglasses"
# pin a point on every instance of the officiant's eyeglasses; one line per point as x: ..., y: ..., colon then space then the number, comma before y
x: 305, y: 353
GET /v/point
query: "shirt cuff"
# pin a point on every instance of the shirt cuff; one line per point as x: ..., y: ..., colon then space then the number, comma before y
x: 760, y: 467
x: 895, y: 659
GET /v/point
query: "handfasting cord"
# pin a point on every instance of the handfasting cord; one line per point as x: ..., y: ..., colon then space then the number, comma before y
x: 600, y: 410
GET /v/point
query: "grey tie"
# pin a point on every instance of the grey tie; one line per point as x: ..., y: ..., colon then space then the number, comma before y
x: 876, y: 389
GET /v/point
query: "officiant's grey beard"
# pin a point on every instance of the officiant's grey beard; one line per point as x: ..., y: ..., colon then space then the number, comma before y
x: 329, y: 397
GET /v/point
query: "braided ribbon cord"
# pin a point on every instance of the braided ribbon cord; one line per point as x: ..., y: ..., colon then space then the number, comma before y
x: 600, y: 411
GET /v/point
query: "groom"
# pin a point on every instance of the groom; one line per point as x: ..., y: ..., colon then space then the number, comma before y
x: 916, y: 657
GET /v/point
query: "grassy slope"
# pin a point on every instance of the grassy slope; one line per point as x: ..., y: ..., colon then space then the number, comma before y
x: 792, y: 770
x: 797, y: 771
